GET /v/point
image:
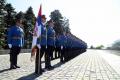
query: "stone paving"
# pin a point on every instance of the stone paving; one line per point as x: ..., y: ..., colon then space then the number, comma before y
x: 91, y: 65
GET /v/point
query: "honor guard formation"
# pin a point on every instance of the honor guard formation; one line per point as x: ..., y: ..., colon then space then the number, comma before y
x: 64, y: 46
x: 46, y: 43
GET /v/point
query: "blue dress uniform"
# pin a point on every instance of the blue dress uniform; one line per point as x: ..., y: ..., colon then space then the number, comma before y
x: 69, y: 50
x: 62, y: 40
x: 42, y: 41
x: 16, y: 39
x: 57, y: 47
x: 50, y: 45
x: 51, y: 40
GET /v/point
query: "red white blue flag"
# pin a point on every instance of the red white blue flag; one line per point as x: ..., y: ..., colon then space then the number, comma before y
x: 36, y: 32
x: 38, y: 23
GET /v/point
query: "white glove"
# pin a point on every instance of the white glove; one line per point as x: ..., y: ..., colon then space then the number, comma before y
x: 10, y: 45
x: 34, y: 41
x: 61, y: 47
x: 32, y: 58
x: 38, y: 45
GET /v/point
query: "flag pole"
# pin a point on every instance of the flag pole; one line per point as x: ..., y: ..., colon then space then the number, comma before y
x: 35, y: 44
x: 39, y: 54
x: 35, y: 52
x: 39, y: 62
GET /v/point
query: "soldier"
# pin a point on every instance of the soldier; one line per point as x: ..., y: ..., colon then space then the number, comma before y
x: 63, y: 47
x: 58, y: 46
x: 40, y: 42
x: 68, y: 47
x: 15, y: 41
x: 50, y: 44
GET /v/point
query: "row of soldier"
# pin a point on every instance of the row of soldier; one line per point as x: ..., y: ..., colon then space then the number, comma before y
x: 45, y: 42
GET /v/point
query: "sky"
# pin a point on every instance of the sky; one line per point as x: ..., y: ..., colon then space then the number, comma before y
x: 94, y: 21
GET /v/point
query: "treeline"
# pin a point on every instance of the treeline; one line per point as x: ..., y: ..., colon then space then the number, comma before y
x: 7, y: 19
x: 97, y: 47
x: 115, y: 45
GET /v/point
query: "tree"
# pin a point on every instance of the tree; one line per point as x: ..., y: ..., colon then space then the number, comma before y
x: 66, y: 25
x: 9, y: 18
x: 2, y: 5
x: 28, y: 26
x: 116, y: 45
x: 100, y: 47
x: 61, y: 23
x: 56, y: 16
x: 2, y: 24
x: 91, y: 47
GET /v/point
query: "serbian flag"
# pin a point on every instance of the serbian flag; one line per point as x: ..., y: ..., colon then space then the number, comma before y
x: 36, y: 32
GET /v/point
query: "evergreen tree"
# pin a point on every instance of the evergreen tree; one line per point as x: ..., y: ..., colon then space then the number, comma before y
x: 56, y: 16
x: 66, y: 25
x: 9, y: 18
x: 28, y: 26
x: 2, y: 28
x: 61, y: 23
x: 116, y: 45
x: 2, y: 5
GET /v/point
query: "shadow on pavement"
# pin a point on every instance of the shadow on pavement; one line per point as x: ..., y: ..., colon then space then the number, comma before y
x: 29, y: 77
x: 57, y: 65
x: 1, y: 71
x: 34, y: 76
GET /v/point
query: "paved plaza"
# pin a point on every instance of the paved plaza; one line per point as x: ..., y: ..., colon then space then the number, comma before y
x: 91, y: 65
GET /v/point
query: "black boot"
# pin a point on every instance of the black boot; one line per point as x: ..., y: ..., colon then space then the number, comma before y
x: 12, y: 67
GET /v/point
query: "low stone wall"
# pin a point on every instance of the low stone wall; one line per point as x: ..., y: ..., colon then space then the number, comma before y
x: 7, y: 51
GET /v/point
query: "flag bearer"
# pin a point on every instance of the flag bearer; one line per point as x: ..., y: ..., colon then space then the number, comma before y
x: 39, y: 42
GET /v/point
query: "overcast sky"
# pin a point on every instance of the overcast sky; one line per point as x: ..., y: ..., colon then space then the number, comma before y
x: 94, y: 21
